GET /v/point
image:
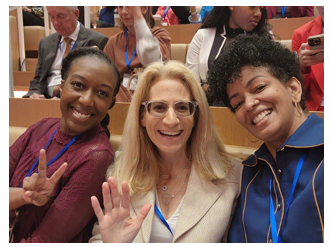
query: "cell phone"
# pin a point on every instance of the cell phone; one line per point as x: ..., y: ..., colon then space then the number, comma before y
x: 316, y: 42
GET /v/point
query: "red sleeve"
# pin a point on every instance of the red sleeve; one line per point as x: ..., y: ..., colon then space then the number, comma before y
x: 71, y: 211
x: 17, y: 149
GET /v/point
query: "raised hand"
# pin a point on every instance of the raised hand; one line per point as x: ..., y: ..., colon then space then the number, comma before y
x: 116, y: 224
x: 37, y: 189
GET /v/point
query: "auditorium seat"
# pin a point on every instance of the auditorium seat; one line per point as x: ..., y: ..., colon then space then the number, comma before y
x: 178, y: 52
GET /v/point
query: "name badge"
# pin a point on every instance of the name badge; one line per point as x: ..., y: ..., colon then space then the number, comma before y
x: 126, y: 78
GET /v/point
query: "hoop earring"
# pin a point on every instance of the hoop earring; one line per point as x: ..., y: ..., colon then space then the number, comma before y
x: 252, y: 141
x: 297, y: 107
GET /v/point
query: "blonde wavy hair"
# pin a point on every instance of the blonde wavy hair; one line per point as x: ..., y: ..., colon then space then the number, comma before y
x: 139, y: 162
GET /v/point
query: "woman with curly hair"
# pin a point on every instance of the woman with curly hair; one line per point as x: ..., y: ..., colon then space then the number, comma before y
x: 282, y: 194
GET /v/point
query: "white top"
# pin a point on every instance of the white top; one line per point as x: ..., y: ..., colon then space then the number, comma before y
x: 199, y: 50
x: 148, y: 46
x: 54, y: 77
x: 160, y: 233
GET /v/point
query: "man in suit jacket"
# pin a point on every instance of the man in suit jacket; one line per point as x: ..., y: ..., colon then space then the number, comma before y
x: 312, y: 66
x: 52, y: 49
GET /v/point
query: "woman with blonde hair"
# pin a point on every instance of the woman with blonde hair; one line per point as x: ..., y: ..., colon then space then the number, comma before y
x: 139, y: 43
x: 173, y: 161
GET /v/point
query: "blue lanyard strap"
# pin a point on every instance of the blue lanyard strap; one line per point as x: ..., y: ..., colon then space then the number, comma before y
x: 275, y: 237
x: 283, y: 8
x: 126, y: 52
x: 165, y: 12
x: 58, y: 155
x: 72, y: 46
x: 159, y: 214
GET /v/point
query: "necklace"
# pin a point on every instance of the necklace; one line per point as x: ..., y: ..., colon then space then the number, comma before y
x: 167, y: 197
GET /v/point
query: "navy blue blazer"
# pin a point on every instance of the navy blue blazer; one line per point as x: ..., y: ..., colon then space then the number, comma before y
x: 305, y: 219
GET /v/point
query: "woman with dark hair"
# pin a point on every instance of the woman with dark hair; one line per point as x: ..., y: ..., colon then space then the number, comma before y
x: 222, y: 24
x: 90, y: 82
x: 139, y: 43
x: 282, y: 193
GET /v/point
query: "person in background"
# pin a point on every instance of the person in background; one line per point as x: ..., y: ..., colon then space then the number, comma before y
x: 106, y: 18
x: 199, y: 18
x: 289, y: 11
x: 173, y: 15
x: 311, y: 61
x: 282, y: 189
x: 90, y: 82
x: 70, y: 34
x: 176, y: 180
x: 139, y: 44
x: 223, y: 23
x: 33, y: 15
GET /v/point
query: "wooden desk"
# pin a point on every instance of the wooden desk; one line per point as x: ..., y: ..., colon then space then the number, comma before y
x: 184, y: 33
x: 180, y: 34
x: 25, y: 112
x: 284, y: 27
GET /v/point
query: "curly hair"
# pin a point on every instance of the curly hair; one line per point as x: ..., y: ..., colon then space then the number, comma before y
x: 256, y: 51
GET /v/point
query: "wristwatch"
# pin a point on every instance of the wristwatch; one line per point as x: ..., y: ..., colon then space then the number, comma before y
x: 194, y: 13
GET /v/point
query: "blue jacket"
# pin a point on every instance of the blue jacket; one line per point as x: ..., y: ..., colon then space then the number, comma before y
x: 305, y: 219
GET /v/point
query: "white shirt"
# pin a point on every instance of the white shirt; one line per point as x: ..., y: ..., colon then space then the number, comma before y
x: 54, y: 77
x: 160, y: 233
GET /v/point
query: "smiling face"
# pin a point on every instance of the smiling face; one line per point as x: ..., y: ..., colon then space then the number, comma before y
x: 263, y: 105
x: 63, y: 19
x: 245, y: 17
x: 125, y: 16
x: 86, y: 95
x: 169, y: 133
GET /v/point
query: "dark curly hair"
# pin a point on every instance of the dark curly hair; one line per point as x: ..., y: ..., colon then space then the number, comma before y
x: 95, y: 53
x: 256, y: 51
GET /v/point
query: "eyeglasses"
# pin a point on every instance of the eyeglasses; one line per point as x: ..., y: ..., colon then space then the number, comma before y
x: 160, y: 108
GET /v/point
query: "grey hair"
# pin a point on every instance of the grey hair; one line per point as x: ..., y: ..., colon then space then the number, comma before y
x: 71, y: 8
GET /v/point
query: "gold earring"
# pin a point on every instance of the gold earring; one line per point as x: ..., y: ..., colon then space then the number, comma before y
x: 297, y: 106
x: 252, y: 141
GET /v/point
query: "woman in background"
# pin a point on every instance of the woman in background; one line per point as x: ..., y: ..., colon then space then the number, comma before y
x: 223, y: 23
x: 139, y: 43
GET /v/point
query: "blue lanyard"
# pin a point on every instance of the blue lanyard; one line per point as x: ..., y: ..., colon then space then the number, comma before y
x: 275, y: 237
x: 126, y: 52
x: 159, y: 214
x: 165, y: 12
x: 283, y: 8
x: 71, y: 47
x: 59, y: 154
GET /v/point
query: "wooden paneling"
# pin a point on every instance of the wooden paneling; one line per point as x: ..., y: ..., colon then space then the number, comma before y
x: 23, y: 78
x: 184, y: 33
x: 284, y: 28
x: 25, y: 112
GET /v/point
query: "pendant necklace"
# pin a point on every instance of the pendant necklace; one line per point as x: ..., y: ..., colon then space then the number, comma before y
x: 167, y: 197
